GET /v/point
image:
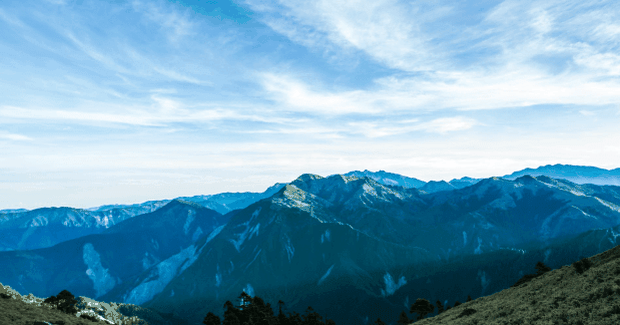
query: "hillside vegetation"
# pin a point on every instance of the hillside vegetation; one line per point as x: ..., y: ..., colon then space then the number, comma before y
x: 584, y: 293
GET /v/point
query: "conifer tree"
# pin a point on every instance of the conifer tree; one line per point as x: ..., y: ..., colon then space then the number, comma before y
x: 403, y: 319
x: 439, y: 307
x: 282, y: 320
x: 468, y: 298
x: 211, y: 319
x: 422, y: 307
x: 456, y: 303
x: 541, y: 268
x: 311, y: 317
x: 379, y: 322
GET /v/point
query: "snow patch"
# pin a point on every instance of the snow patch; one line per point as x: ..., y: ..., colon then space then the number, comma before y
x: 390, y: 285
x: 159, y: 276
x: 464, y: 238
x: 102, y: 280
x: 328, y: 235
x: 171, y: 293
x: 256, y: 212
x: 218, y: 277
x: 191, y: 215
x: 325, y: 275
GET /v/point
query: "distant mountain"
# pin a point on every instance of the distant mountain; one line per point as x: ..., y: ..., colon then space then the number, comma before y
x: 321, y: 241
x: 575, y: 174
x: 95, y: 264
x: 47, y: 227
x: 226, y: 202
x: 22, y: 229
x: 387, y: 178
x: 352, y: 248
x: 12, y: 211
x: 437, y: 186
x: 463, y: 182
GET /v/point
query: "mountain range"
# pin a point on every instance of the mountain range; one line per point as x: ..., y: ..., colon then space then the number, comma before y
x: 355, y: 248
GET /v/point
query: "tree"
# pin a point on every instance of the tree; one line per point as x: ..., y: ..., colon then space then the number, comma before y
x: 456, y: 303
x: 541, y: 268
x: 64, y: 301
x: 311, y: 317
x: 422, y: 307
x: 294, y: 318
x: 231, y: 315
x: 379, y: 322
x: 211, y: 319
x: 468, y: 298
x: 447, y: 308
x: 439, y: 307
x: 281, y: 317
x: 403, y: 319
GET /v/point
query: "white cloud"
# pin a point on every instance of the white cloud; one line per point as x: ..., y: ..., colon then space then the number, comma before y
x: 14, y: 136
x: 448, y: 124
x: 176, y: 24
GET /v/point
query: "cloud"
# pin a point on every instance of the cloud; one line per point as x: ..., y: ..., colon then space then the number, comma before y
x: 448, y: 124
x: 14, y: 136
x: 176, y: 24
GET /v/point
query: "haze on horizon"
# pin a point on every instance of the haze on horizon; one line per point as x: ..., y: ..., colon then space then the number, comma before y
x: 106, y: 102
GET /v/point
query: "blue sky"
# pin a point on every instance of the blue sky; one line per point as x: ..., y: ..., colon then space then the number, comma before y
x: 125, y: 101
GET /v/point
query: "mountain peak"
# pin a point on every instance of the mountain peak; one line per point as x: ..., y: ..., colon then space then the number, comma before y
x: 307, y: 177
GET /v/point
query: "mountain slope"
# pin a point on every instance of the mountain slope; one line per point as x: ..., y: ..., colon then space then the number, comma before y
x: 320, y: 240
x: 572, y: 173
x: 387, y: 178
x: 564, y: 296
x: 47, y: 227
x: 93, y: 265
x: 281, y: 249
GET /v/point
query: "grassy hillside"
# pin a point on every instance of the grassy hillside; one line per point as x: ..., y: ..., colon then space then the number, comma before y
x: 573, y: 294
x: 16, y: 309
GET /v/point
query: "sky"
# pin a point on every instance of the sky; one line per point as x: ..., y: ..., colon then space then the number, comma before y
x: 117, y: 101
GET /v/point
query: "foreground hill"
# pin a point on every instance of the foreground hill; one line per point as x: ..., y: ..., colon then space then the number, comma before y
x: 16, y: 309
x: 572, y: 294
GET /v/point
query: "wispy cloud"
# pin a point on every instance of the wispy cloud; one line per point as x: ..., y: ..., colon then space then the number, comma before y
x: 267, y: 90
x: 14, y: 136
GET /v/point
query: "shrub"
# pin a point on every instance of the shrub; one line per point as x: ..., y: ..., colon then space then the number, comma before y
x: 64, y: 301
x: 89, y: 317
x: 422, y: 307
x: 582, y: 265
